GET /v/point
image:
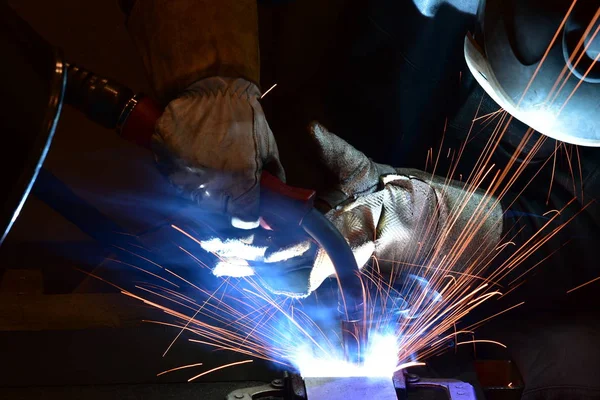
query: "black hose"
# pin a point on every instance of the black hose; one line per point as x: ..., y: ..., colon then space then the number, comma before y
x: 354, y: 333
x: 346, y: 269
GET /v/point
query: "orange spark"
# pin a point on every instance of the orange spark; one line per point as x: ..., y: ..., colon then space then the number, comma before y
x: 178, y: 368
x: 218, y: 368
x: 582, y: 285
x: 482, y: 341
x: 271, y: 88
x: 408, y: 365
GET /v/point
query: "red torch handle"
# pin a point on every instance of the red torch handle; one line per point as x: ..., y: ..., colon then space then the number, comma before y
x: 137, y: 122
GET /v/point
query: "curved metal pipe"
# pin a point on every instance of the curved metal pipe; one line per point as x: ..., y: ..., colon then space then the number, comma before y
x: 32, y: 85
x: 351, y: 303
x: 348, y: 275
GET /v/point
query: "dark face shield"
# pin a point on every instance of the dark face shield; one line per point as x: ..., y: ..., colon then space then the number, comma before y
x: 540, y: 63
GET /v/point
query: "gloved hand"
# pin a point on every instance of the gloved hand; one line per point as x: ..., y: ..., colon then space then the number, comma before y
x: 400, y: 217
x: 202, y: 60
x: 213, y: 142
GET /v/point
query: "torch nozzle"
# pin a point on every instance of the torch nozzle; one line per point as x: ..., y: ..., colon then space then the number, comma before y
x: 354, y: 338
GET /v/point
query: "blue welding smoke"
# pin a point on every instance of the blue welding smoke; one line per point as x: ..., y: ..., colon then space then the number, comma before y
x: 152, y: 243
x: 305, y: 334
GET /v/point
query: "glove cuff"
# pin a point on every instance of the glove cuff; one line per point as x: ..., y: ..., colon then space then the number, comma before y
x: 355, y: 174
x: 232, y: 87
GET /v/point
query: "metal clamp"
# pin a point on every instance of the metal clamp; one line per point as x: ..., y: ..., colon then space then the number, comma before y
x: 273, y: 389
x: 454, y: 389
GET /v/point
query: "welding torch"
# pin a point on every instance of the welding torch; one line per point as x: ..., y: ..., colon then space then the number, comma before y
x: 134, y: 116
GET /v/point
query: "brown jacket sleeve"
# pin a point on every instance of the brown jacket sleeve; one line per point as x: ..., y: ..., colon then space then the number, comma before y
x: 182, y: 41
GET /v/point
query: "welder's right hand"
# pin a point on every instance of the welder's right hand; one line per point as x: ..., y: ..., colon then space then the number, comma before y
x: 213, y: 142
x: 402, y: 218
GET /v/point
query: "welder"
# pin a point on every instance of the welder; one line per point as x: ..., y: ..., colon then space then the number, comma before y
x: 213, y: 141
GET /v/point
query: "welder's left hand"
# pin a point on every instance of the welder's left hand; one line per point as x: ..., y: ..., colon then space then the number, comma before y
x: 202, y: 59
x: 213, y: 142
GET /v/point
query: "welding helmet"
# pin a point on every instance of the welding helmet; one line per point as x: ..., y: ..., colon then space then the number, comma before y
x: 539, y: 60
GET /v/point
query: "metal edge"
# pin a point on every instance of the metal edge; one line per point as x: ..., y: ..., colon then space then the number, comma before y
x: 38, y: 154
x: 126, y: 112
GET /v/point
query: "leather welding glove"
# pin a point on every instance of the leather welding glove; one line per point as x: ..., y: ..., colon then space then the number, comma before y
x: 400, y: 217
x: 213, y: 140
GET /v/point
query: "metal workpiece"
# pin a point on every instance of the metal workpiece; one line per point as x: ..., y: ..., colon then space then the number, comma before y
x: 350, y: 388
x: 294, y: 387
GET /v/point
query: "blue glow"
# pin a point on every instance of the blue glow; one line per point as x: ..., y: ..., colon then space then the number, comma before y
x: 381, y: 360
